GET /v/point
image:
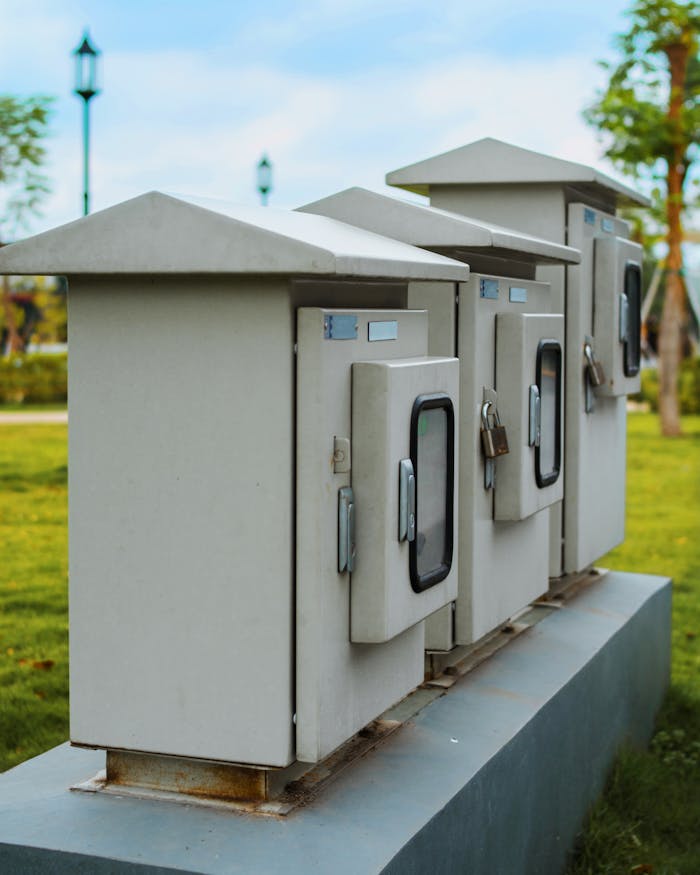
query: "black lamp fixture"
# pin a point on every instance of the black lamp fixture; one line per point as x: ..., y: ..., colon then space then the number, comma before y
x: 86, y: 56
x: 264, y: 178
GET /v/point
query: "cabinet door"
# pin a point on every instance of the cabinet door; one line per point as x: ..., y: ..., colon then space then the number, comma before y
x: 404, y: 419
x: 617, y: 302
x: 340, y: 686
x: 595, y: 427
x: 529, y: 381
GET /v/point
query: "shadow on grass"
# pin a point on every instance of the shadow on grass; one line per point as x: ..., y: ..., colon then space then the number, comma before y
x: 25, y: 482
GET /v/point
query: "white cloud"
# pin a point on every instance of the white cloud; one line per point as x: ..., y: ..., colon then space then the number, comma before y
x: 197, y: 122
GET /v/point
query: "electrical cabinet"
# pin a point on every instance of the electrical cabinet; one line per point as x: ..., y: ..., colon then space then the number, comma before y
x: 503, y: 517
x: 212, y: 495
x: 566, y: 203
x: 509, y: 346
x: 601, y: 326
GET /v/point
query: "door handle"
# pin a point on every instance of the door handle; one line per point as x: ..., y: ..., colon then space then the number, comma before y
x: 535, y: 429
x: 407, y: 501
x: 346, y: 530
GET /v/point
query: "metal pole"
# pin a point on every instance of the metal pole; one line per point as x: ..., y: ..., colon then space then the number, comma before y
x: 86, y: 155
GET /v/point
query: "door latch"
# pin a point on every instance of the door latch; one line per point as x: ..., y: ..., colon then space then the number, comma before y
x: 595, y: 374
x: 346, y: 530
x: 535, y: 429
x: 624, y: 318
x: 407, y: 501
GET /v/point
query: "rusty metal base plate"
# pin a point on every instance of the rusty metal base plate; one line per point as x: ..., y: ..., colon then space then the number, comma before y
x: 275, y: 792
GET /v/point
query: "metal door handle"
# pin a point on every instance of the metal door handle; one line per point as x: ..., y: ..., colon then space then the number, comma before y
x: 407, y: 501
x: 535, y: 429
x: 346, y: 530
x: 624, y: 318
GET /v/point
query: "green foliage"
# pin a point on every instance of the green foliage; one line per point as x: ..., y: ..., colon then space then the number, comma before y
x: 647, y: 821
x: 48, y: 294
x: 649, y: 392
x: 675, y: 749
x: 51, y: 300
x: 23, y: 126
x: 688, y: 387
x: 650, y: 811
x: 650, y: 116
x: 33, y: 378
x: 632, y: 111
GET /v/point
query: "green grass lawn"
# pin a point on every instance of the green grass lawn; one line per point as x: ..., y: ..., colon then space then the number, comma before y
x: 650, y: 815
x: 33, y: 591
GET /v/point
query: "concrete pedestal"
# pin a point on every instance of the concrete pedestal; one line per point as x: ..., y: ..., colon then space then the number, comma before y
x: 493, y: 777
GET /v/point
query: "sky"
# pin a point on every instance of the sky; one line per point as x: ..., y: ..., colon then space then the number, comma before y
x: 336, y: 92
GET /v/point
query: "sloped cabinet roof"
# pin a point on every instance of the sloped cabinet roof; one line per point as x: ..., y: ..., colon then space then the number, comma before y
x: 490, y: 161
x: 433, y: 228
x: 157, y: 233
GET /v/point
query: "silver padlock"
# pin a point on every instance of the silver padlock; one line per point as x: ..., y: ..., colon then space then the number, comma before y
x: 493, y: 435
x: 594, y: 369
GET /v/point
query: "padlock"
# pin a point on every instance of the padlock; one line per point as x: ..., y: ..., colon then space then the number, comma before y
x: 493, y: 434
x: 594, y: 369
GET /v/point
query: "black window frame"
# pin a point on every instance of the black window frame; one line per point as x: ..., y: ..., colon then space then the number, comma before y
x: 421, y: 582
x: 634, y: 322
x: 552, y: 477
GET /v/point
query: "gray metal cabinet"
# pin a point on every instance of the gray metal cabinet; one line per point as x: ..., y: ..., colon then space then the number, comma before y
x: 208, y: 618
x: 570, y: 203
x: 503, y: 510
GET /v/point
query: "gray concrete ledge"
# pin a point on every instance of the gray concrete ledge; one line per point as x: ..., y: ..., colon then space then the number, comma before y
x: 494, y: 777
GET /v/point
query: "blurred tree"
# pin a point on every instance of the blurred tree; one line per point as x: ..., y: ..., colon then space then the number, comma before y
x: 651, y: 116
x: 23, y: 126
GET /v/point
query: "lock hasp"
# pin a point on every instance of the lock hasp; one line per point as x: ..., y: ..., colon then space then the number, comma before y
x: 494, y: 440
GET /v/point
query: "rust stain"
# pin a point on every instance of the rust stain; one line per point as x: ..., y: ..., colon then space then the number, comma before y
x: 615, y: 615
x: 240, y: 789
x: 247, y: 787
x: 188, y: 777
x: 509, y: 694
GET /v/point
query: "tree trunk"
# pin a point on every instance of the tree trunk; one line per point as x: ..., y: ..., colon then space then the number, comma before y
x: 673, y: 314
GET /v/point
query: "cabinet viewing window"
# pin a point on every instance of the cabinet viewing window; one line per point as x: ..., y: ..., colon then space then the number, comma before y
x: 432, y: 455
x: 632, y: 343
x: 548, y: 452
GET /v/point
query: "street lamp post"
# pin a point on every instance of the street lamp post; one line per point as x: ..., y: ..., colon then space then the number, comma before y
x: 86, y: 87
x: 264, y: 179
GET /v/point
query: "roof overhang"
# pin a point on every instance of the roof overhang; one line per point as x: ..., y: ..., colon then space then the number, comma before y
x: 494, y: 162
x: 438, y: 230
x: 157, y: 233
